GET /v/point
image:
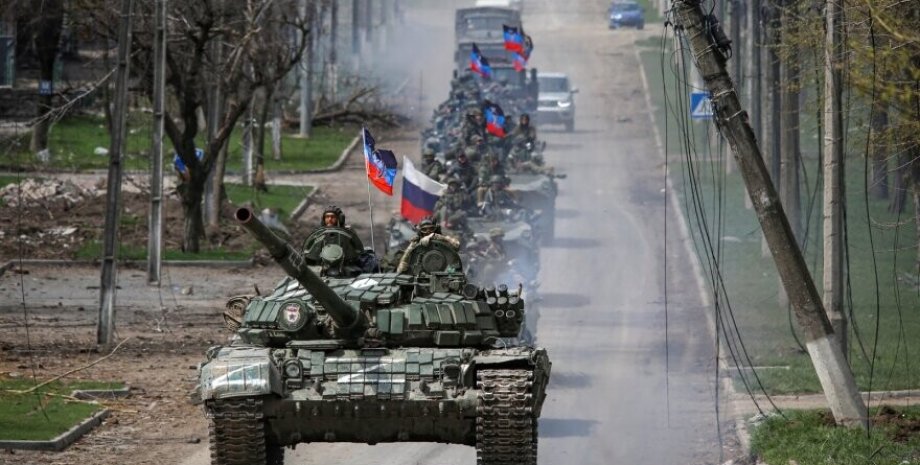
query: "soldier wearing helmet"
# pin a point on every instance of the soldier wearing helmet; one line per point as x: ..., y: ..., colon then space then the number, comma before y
x: 336, y: 247
x: 427, y: 230
x: 430, y: 165
x: 488, y: 169
x: 524, y: 131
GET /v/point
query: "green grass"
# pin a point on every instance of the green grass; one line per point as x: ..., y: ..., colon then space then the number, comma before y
x: 73, y: 140
x: 809, y: 438
x: 283, y: 198
x: 321, y: 150
x: 752, y: 281
x: 93, y: 251
x: 36, y: 416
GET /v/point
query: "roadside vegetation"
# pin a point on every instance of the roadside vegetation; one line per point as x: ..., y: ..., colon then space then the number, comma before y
x: 47, y: 412
x: 883, y: 282
x: 811, y: 438
x: 74, y: 144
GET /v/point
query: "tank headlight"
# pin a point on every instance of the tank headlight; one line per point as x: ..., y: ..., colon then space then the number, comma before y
x: 293, y: 369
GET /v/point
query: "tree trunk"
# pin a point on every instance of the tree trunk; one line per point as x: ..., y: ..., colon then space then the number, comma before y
x: 879, y: 187
x: 276, y: 129
x: 218, y: 193
x: 47, y: 39
x: 192, y: 194
x: 260, y: 142
x: 900, y: 184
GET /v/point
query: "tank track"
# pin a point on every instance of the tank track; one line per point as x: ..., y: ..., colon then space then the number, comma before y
x: 237, y: 434
x: 506, y: 430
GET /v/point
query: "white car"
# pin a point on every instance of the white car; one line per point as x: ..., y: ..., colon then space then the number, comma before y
x: 516, y: 4
x: 556, y: 100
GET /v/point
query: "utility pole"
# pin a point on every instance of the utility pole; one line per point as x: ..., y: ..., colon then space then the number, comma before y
x: 307, y: 10
x: 755, y: 45
x: 368, y: 27
x: 789, y: 121
x: 830, y: 364
x: 833, y: 175
x: 333, y: 50
x: 356, y: 40
x: 106, y: 327
x: 155, y: 233
x: 246, y: 142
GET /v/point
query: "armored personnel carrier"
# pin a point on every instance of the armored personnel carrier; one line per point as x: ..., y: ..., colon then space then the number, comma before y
x: 380, y: 357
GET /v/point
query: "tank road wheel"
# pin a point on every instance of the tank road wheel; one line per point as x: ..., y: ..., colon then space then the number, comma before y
x: 238, y: 435
x: 506, y: 429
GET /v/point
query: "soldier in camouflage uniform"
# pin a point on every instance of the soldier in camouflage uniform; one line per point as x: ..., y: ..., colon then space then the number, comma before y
x: 524, y: 130
x: 431, y: 166
x: 488, y: 170
x: 474, y: 124
x: 427, y: 230
x: 463, y: 170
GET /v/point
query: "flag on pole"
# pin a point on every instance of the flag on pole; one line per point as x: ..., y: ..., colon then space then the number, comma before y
x: 419, y: 193
x: 380, y: 164
x: 520, y: 63
x: 514, y: 41
x: 479, y: 64
x: 495, y: 119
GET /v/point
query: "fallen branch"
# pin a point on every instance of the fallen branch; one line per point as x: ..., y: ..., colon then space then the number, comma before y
x: 33, y: 388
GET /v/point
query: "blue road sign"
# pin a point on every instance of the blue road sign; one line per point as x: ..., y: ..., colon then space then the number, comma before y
x: 700, y: 105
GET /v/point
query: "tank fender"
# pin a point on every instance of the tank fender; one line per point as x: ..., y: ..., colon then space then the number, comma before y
x: 239, y: 372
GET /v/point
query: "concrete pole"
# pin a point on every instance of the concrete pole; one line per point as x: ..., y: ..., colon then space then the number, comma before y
x: 306, y: 70
x: 356, y: 36
x: 246, y: 142
x: 789, y: 122
x: 155, y: 232
x: 105, y: 330
x: 333, y: 50
x: 831, y: 366
x: 833, y: 175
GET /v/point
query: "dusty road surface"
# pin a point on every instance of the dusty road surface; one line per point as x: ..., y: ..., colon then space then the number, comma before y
x: 622, y: 391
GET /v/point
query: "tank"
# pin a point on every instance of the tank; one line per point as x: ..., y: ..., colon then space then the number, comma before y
x: 380, y: 357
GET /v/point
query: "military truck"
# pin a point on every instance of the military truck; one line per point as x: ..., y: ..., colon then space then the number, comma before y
x: 381, y: 357
x: 483, y: 23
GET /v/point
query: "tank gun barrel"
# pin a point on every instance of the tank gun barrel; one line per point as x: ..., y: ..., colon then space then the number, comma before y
x: 293, y: 263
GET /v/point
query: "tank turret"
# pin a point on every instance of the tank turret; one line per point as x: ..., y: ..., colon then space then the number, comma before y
x: 344, y: 315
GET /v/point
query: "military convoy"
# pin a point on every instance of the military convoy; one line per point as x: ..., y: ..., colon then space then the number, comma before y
x: 421, y: 345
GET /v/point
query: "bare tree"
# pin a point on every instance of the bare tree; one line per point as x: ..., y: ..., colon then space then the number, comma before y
x: 43, y: 23
x: 216, y: 43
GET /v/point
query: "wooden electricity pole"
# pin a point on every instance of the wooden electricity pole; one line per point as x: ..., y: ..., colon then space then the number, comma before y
x: 155, y: 233
x: 106, y: 327
x: 833, y: 175
x: 308, y: 11
x: 831, y: 366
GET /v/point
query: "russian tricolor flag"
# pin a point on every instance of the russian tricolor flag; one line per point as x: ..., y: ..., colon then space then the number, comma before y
x: 419, y: 193
x: 380, y: 164
x: 479, y: 64
x: 514, y: 41
x: 495, y: 119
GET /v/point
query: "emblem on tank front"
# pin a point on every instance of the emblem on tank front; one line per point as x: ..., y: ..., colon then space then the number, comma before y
x: 292, y: 316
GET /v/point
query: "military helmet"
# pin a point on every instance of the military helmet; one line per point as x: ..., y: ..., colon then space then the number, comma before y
x: 454, y: 180
x: 428, y: 225
x: 339, y: 214
x: 428, y: 152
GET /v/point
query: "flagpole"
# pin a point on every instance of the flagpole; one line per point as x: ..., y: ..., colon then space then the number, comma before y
x: 367, y: 179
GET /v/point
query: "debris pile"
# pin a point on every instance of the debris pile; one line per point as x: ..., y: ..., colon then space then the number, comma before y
x: 44, y: 192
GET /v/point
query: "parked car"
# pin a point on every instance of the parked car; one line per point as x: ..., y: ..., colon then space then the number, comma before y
x: 626, y: 14
x: 556, y: 100
x: 516, y: 4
